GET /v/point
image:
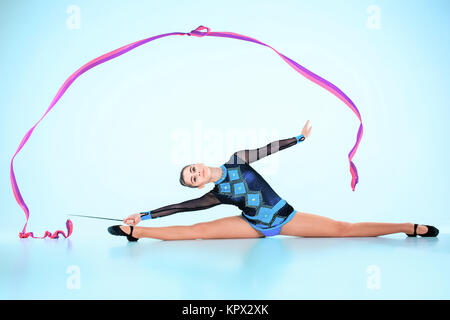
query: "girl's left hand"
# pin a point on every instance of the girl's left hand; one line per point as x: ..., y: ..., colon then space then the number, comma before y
x: 306, y: 131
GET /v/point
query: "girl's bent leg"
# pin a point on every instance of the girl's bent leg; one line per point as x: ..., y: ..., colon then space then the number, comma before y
x: 224, y: 228
x: 311, y: 225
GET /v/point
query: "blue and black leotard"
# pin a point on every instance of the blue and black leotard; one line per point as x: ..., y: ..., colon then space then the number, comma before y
x: 241, y: 186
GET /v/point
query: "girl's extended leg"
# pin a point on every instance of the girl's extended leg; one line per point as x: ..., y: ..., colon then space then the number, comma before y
x: 311, y: 225
x: 224, y: 228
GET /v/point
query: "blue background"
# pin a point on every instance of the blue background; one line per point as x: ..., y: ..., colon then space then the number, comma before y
x: 114, y: 144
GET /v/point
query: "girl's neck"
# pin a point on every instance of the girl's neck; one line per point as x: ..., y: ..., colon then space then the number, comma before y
x: 216, y: 173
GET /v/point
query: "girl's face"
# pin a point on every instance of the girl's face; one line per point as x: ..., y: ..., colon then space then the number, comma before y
x: 196, y: 175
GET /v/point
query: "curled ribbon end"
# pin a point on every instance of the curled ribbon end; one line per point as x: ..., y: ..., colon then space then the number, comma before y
x: 69, y: 226
x: 354, y: 174
x: 354, y: 183
x: 55, y: 235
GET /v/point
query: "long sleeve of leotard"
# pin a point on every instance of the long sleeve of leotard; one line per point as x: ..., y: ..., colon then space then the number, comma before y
x: 253, y: 155
x: 206, y: 201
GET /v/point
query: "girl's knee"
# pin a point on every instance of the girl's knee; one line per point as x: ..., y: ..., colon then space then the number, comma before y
x: 199, y: 230
x: 343, y: 228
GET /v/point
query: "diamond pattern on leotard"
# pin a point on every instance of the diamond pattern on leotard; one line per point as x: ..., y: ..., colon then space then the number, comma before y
x: 253, y: 199
x: 225, y: 188
x: 234, y: 174
x: 265, y: 214
x: 237, y: 187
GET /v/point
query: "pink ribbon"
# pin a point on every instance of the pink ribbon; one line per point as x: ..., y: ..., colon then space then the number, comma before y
x: 196, y: 33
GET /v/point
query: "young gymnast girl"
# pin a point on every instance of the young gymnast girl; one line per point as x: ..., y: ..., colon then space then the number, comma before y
x: 264, y: 212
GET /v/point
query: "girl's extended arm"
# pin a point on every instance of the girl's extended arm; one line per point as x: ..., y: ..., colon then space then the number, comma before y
x: 249, y: 156
x: 206, y: 201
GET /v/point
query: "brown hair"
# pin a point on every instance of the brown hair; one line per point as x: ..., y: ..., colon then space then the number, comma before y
x: 183, y: 183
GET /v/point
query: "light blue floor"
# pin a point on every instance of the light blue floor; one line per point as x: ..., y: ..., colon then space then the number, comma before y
x: 106, y: 267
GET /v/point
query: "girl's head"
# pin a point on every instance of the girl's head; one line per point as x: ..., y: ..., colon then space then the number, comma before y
x: 195, y: 175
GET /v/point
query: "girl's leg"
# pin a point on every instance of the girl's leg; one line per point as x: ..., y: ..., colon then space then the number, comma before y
x: 224, y: 228
x: 311, y: 225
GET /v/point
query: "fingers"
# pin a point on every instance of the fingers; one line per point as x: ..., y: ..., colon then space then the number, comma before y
x: 306, y: 125
x: 306, y: 131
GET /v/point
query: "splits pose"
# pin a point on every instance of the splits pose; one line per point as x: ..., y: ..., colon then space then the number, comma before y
x: 264, y: 212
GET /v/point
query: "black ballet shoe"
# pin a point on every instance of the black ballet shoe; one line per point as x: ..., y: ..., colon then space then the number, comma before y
x: 431, y: 232
x: 415, y: 231
x: 116, y: 231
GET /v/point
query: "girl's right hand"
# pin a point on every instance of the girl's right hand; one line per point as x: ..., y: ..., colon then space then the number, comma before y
x: 133, y: 219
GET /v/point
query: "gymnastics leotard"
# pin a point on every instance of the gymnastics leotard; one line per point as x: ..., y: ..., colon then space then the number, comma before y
x: 242, y: 186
